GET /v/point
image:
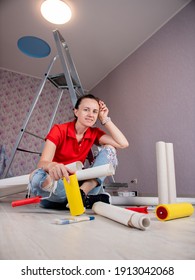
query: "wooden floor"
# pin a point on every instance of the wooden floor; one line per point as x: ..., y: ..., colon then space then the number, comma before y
x: 28, y: 233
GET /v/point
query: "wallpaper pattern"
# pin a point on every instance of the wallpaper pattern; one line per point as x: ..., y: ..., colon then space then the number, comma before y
x: 17, y: 93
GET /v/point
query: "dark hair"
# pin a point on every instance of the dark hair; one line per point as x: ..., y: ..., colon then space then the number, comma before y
x: 90, y: 96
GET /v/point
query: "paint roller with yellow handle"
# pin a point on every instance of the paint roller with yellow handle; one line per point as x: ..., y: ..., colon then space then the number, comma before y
x: 73, y: 194
x: 165, y: 212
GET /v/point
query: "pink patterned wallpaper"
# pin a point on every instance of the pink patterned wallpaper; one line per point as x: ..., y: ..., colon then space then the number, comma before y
x: 17, y: 93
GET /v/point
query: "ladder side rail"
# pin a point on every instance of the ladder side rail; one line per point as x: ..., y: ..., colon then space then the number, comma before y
x: 74, y: 72
x: 53, y: 116
x: 39, y: 91
x: 22, y: 131
x: 71, y: 89
x: 55, y: 110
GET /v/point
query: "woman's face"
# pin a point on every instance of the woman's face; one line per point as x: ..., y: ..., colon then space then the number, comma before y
x: 87, y: 112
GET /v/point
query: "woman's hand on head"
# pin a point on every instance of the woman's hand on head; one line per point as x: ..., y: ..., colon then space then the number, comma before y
x: 103, y: 113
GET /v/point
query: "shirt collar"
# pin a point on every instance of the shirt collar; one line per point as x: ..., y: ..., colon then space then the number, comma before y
x: 71, y: 131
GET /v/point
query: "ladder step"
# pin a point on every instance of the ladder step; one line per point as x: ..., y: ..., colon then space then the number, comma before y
x: 35, y: 135
x: 60, y: 81
x: 28, y: 151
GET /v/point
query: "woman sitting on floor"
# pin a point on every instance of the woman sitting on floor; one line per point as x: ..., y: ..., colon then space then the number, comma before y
x: 70, y: 142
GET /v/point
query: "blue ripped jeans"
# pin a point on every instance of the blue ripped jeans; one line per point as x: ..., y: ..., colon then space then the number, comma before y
x: 57, y: 199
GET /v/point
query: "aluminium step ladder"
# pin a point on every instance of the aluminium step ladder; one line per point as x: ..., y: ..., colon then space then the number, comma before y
x: 68, y: 80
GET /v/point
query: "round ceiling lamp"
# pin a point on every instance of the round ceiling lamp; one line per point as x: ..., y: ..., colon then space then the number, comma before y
x: 56, y: 11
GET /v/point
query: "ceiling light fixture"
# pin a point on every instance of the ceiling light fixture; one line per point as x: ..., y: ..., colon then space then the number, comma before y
x: 56, y: 11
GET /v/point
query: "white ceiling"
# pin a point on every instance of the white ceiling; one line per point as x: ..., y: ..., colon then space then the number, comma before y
x: 100, y: 35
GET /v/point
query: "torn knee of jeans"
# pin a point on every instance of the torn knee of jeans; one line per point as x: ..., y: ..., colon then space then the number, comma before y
x: 111, y: 155
x: 107, y: 146
x: 40, y: 179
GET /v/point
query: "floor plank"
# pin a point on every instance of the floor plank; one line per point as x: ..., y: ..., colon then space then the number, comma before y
x: 29, y: 233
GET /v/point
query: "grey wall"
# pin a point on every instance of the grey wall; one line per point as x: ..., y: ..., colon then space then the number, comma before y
x: 151, y: 97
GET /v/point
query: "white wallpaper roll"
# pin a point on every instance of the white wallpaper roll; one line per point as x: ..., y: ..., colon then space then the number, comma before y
x: 162, y: 172
x: 95, y: 172
x: 121, y: 215
x: 171, y: 173
x: 15, y: 181
x: 13, y: 185
x: 74, y: 166
x: 24, y: 179
x: 8, y: 185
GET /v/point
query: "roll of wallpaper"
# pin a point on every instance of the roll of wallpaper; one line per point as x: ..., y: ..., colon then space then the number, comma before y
x: 24, y: 179
x: 19, y: 184
x: 162, y: 172
x: 171, y: 173
x: 14, y: 181
x: 74, y: 166
x: 13, y: 185
x: 165, y: 212
x: 74, y: 196
x: 95, y: 172
x: 121, y: 215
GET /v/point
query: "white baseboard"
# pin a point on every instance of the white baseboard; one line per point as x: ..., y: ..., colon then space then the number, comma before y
x: 139, y: 200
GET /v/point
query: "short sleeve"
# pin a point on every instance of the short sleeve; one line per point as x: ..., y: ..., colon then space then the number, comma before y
x: 54, y: 135
x: 100, y: 133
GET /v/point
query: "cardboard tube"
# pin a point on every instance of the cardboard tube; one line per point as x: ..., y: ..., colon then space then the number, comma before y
x: 74, y: 196
x: 162, y: 172
x: 165, y: 212
x: 121, y: 215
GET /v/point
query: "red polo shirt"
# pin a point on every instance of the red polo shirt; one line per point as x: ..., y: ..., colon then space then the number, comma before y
x: 67, y: 147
